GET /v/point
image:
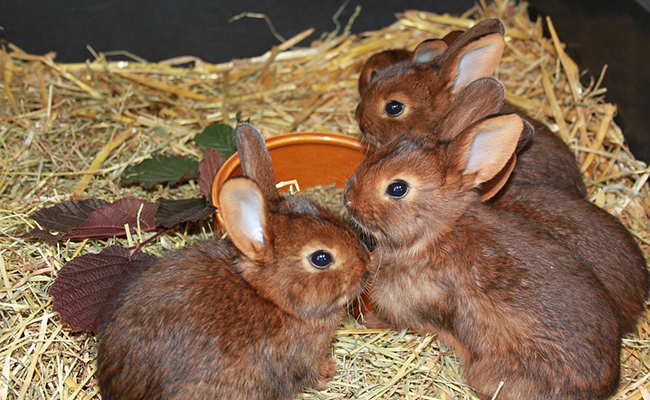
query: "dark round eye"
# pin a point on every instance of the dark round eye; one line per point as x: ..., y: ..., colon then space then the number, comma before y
x: 321, y: 259
x: 397, y: 189
x: 394, y: 108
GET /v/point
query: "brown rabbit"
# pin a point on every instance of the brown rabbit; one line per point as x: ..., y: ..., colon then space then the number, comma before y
x: 412, y: 95
x: 516, y: 305
x: 247, y: 319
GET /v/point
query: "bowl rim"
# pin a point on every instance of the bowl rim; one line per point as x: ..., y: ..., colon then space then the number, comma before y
x: 282, y: 140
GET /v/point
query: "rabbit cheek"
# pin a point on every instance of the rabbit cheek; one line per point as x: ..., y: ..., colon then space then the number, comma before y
x: 306, y: 293
x: 357, y: 280
x: 327, y: 292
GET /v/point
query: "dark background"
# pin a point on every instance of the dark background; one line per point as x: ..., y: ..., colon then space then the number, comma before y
x: 596, y: 32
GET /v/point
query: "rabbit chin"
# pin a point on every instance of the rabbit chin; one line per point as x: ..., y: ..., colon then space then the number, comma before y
x: 368, y: 227
x: 412, y: 237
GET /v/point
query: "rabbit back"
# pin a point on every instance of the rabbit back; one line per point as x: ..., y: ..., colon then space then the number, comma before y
x: 594, y: 236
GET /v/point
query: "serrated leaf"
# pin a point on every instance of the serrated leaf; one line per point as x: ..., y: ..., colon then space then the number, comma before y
x: 173, y: 212
x: 66, y: 215
x: 161, y: 169
x: 208, y: 168
x: 219, y: 137
x: 87, y: 288
x: 110, y: 219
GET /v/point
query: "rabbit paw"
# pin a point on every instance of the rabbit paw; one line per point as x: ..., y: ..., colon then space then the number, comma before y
x: 370, y: 320
x: 326, y: 374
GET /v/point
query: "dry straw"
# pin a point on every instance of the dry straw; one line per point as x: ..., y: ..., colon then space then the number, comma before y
x: 68, y: 130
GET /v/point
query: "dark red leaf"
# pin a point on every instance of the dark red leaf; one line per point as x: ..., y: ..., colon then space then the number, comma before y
x: 110, y: 219
x: 173, y: 212
x: 87, y: 288
x: 67, y: 215
x: 208, y: 168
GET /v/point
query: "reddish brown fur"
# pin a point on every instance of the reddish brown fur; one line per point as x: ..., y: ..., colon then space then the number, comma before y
x: 586, y: 231
x: 378, y: 62
x: 211, y: 322
x: 514, y: 304
x: 386, y: 58
x: 426, y: 89
x: 544, y: 162
x: 594, y: 236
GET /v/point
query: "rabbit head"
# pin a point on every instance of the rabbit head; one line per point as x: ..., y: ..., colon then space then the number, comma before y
x: 412, y: 96
x: 299, y: 255
x: 417, y: 186
x: 382, y: 60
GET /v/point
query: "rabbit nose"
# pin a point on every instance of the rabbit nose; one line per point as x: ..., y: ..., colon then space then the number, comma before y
x: 347, y: 202
x: 348, y: 199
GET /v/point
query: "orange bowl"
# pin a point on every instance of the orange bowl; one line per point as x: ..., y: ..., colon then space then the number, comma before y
x: 312, y: 159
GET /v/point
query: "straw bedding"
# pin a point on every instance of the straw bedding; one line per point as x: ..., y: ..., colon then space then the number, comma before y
x: 68, y: 130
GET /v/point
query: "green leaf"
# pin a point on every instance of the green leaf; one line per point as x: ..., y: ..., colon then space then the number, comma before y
x: 219, y: 137
x: 161, y: 169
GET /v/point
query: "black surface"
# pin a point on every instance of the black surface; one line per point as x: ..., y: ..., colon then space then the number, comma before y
x: 156, y: 30
x: 596, y: 32
x: 616, y: 33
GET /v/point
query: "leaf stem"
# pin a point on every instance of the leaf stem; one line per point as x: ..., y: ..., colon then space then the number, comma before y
x: 139, y: 247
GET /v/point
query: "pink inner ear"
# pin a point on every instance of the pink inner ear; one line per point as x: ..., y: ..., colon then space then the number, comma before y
x: 493, y: 144
x: 483, y: 149
x: 251, y: 219
x: 428, y: 50
x: 243, y: 210
x: 480, y: 60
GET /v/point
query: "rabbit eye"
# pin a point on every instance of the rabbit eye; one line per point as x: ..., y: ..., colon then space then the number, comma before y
x: 321, y: 259
x: 397, y: 189
x: 394, y: 108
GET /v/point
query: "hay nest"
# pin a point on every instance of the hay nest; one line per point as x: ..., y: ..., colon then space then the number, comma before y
x: 68, y: 130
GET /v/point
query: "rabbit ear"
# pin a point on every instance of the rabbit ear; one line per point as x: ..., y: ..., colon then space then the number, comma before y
x: 474, y: 54
x: 492, y: 187
x: 255, y: 159
x: 478, y: 100
x: 426, y: 51
x: 526, y: 136
x: 244, y: 214
x: 452, y: 36
x: 485, y: 148
x: 378, y: 62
